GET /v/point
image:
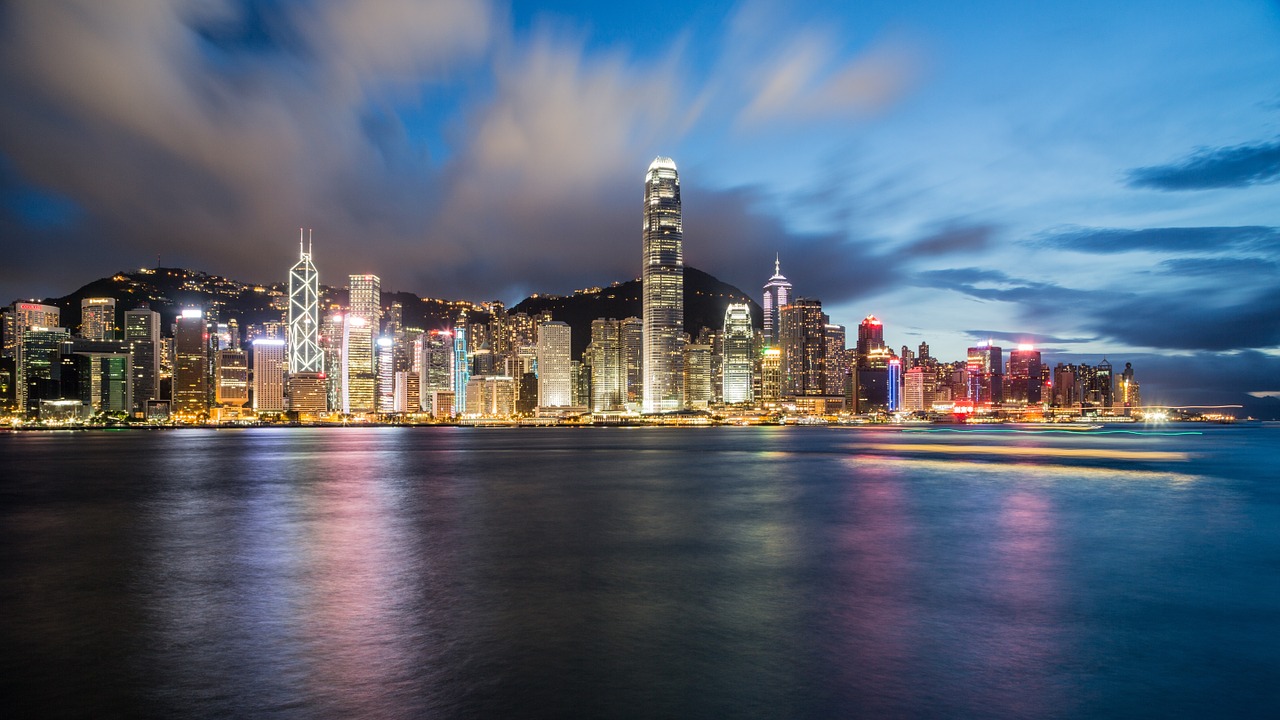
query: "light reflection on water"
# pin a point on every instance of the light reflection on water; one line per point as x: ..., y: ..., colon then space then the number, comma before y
x: 773, y: 572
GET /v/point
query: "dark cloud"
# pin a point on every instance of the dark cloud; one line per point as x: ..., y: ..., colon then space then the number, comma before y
x: 995, y: 285
x: 1208, y: 168
x: 1190, y: 321
x: 1248, y: 317
x: 1184, y: 239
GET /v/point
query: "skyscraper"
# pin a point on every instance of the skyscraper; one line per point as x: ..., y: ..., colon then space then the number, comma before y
x: 233, y: 378
x: 1023, y: 381
x: 142, y: 333
x: 268, y: 375
x: 777, y: 292
x: 555, y: 378
x: 191, y: 364
x: 358, y: 378
x: 305, y: 355
x: 607, y: 373
x: 365, y: 299
x: 436, y: 368
x: 461, y: 367
x: 984, y: 371
x: 98, y: 318
x: 663, y: 288
x: 803, y: 336
x: 737, y: 365
x: 835, y: 360
x: 386, y: 379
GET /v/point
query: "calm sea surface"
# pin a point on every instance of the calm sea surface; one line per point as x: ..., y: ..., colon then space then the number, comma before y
x: 648, y: 572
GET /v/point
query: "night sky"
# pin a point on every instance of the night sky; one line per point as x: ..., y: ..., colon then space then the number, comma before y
x: 1099, y: 178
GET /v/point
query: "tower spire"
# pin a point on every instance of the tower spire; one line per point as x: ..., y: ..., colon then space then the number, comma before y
x: 300, y: 250
x: 777, y: 264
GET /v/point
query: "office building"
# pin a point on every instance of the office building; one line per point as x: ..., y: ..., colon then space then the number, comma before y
x: 835, y: 359
x: 269, y: 364
x: 662, y: 282
x: 359, y: 380
x: 737, y: 363
x: 142, y: 333
x: 555, y: 372
x: 191, y: 365
x: 98, y: 318
x: 697, y: 376
x: 803, y: 339
x: 233, y: 378
x: 984, y: 375
x: 1022, y: 382
x: 491, y: 396
x: 365, y: 299
x: 461, y: 367
x: 777, y: 293
x: 305, y: 355
x: 604, y: 354
x: 386, y: 373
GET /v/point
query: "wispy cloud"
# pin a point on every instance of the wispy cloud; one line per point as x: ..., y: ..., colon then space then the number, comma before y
x: 1209, y: 168
x: 1172, y: 239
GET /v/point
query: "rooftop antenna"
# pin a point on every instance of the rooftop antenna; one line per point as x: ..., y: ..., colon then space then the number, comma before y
x: 777, y: 264
x: 300, y: 251
x: 309, y: 241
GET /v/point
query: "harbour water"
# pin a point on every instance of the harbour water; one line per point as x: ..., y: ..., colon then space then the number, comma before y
x: 642, y: 572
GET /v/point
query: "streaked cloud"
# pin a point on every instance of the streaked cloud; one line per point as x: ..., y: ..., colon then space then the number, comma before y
x: 1168, y: 239
x: 1210, y: 168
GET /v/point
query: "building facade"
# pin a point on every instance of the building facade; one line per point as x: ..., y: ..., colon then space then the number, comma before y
x: 777, y: 292
x: 662, y: 278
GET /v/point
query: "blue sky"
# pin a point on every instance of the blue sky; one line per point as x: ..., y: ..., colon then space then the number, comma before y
x: 1098, y: 177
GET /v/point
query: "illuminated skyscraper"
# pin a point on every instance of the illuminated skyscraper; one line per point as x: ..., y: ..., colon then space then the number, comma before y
x: 358, y: 380
x: 984, y: 371
x: 835, y: 360
x: 803, y: 337
x: 737, y: 365
x: 697, y: 375
x: 1023, y: 382
x: 555, y: 373
x: 191, y: 364
x: 98, y: 318
x: 777, y: 292
x: 305, y: 355
x: 386, y: 385
x: 771, y: 374
x: 663, y: 288
x: 461, y: 368
x: 607, y: 374
x: 142, y: 333
x: 436, y: 367
x: 895, y: 384
x: 268, y: 375
x: 365, y: 299
x: 233, y: 378
x: 870, y: 337
x: 1129, y: 393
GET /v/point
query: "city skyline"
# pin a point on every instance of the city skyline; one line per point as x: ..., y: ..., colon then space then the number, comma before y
x: 1094, y: 179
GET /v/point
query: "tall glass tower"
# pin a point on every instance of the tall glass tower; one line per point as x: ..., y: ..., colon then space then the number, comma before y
x: 777, y: 292
x: 663, y: 294
x: 737, y: 364
x: 305, y: 355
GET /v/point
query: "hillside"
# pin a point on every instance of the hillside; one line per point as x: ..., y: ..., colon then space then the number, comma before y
x: 705, y: 300
x: 168, y: 290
